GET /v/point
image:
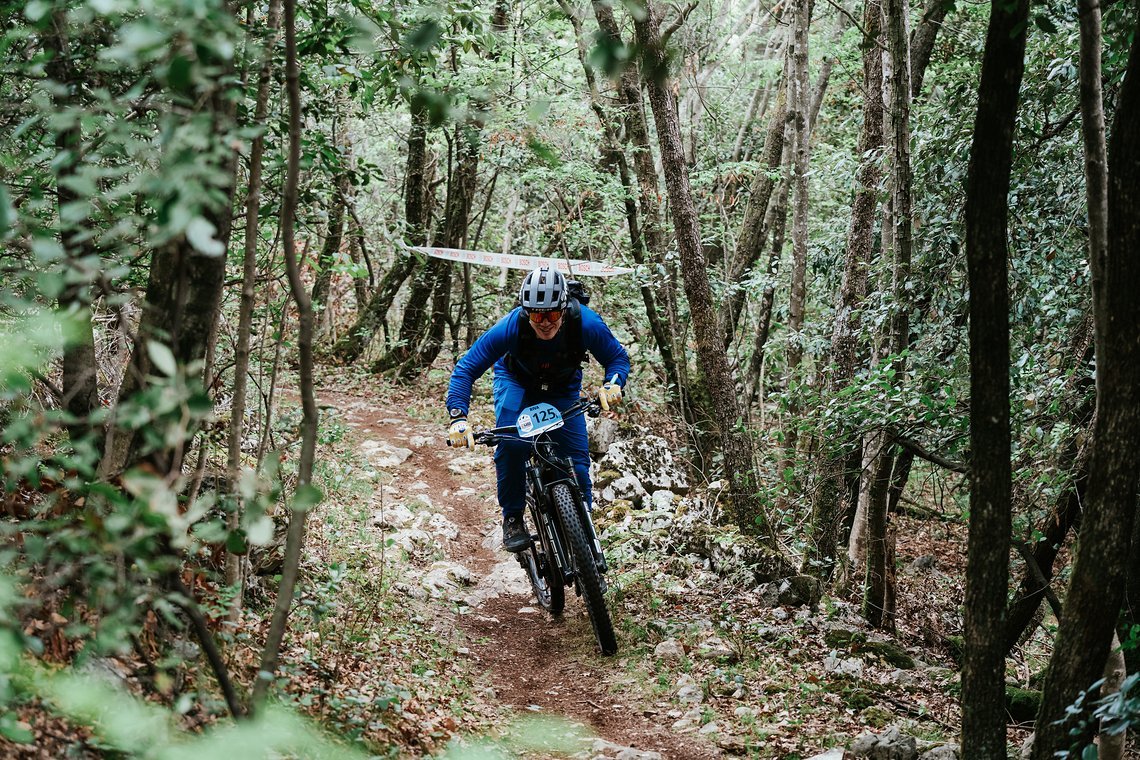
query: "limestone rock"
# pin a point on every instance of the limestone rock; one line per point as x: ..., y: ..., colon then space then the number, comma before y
x: 505, y: 579
x: 649, y: 459
x: 465, y: 465
x: 383, y: 455
x: 669, y: 649
x: 443, y: 579
x: 626, y: 487
x: 393, y: 516
x: 942, y: 752
x: 689, y: 691
x: 601, y: 433
x: 892, y: 744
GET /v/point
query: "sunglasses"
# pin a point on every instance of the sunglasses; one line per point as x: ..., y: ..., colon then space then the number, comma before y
x: 538, y: 317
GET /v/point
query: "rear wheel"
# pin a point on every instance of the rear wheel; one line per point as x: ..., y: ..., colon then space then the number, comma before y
x: 542, y: 568
x: 586, y: 571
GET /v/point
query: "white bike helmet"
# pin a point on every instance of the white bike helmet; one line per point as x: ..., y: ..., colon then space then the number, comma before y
x: 544, y: 289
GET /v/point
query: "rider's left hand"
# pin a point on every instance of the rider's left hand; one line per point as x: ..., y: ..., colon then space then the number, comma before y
x: 610, y: 394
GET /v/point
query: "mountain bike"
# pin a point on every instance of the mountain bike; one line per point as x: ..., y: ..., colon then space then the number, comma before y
x: 564, y: 551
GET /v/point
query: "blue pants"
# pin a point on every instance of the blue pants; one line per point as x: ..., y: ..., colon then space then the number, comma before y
x: 511, y: 456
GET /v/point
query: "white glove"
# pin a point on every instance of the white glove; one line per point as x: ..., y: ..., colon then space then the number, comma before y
x: 459, y: 434
x: 610, y: 394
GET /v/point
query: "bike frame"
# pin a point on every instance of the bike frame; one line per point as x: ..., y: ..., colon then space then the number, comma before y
x: 546, y: 468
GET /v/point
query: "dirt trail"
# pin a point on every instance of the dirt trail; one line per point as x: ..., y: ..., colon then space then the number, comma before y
x: 534, y: 662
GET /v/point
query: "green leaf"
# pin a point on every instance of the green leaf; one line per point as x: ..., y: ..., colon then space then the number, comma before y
x: 36, y: 10
x: 200, y: 232
x: 260, y: 531
x: 307, y: 497
x: 7, y: 212
x: 13, y: 730
x: 544, y: 152
x: 162, y: 358
x: 422, y: 38
x: 178, y: 75
x: 236, y: 542
x: 537, y: 109
x: 1045, y: 24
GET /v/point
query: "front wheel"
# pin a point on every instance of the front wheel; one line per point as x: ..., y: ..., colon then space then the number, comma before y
x: 585, y: 569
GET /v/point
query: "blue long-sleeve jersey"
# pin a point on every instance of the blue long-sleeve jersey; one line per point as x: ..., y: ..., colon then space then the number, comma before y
x: 502, y: 340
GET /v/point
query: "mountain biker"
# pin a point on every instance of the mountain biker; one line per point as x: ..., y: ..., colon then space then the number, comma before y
x: 537, y: 350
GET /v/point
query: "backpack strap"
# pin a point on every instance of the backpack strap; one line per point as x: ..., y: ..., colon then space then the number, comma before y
x: 574, y: 340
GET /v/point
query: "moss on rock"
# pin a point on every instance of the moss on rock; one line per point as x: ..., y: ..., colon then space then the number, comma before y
x: 857, y: 643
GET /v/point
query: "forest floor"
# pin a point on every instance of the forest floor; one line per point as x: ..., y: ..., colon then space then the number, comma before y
x: 416, y: 635
x: 770, y: 682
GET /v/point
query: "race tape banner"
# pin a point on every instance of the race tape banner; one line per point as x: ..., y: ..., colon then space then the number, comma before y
x: 583, y: 268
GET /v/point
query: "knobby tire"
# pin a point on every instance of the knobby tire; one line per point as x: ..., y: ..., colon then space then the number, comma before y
x: 589, y: 579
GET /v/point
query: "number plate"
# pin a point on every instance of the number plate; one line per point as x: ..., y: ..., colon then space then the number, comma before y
x: 538, y: 419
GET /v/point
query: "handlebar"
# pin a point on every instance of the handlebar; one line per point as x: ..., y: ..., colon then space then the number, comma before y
x: 584, y: 405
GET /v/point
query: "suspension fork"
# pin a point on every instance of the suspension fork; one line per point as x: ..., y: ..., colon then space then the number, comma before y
x: 545, y: 521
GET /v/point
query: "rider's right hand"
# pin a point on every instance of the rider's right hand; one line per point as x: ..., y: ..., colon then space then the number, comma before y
x: 459, y: 434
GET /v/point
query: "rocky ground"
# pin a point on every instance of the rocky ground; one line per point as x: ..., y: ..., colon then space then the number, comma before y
x: 415, y: 635
x: 716, y: 658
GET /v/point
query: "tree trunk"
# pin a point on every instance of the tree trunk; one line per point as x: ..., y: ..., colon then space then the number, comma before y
x: 248, y: 298
x: 798, y: 106
x: 776, y: 220
x: 79, y: 381
x: 629, y: 94
x: 303, y: 498
x: 880, y: 446
x: 828, y: 507
x: 649, y: 246
x: 755, y: 226
x: 349, y: 348
x: 897, y: 80
x: 334, y: 239
x: 922, y: 42
x: 1065, y: 515
x: 426, y: 314
x: 738, y: 465
x: 987, y: 562
x: 1099, y: 568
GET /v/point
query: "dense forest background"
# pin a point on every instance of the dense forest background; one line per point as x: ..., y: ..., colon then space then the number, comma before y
x: 885, y: 264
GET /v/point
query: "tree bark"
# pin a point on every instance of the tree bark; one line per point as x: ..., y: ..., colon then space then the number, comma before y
x: 629, y: 95
x: 648, y: 247
x: 79, y: 381
x: 777, y: 221
x: 426, y: 314
x: 798, y: 106
x: 755, y: 226
x: 248, y: 298
x: 302, y: 500
x: 897, y: 80
x: 922, y: 42
x: 334, y: 238
x: 987, y: 562
x: 1100, y: 566
x: 738, y: 465
x: 1065, y: 515
x: 828, y: 507
x: 349, y: 348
